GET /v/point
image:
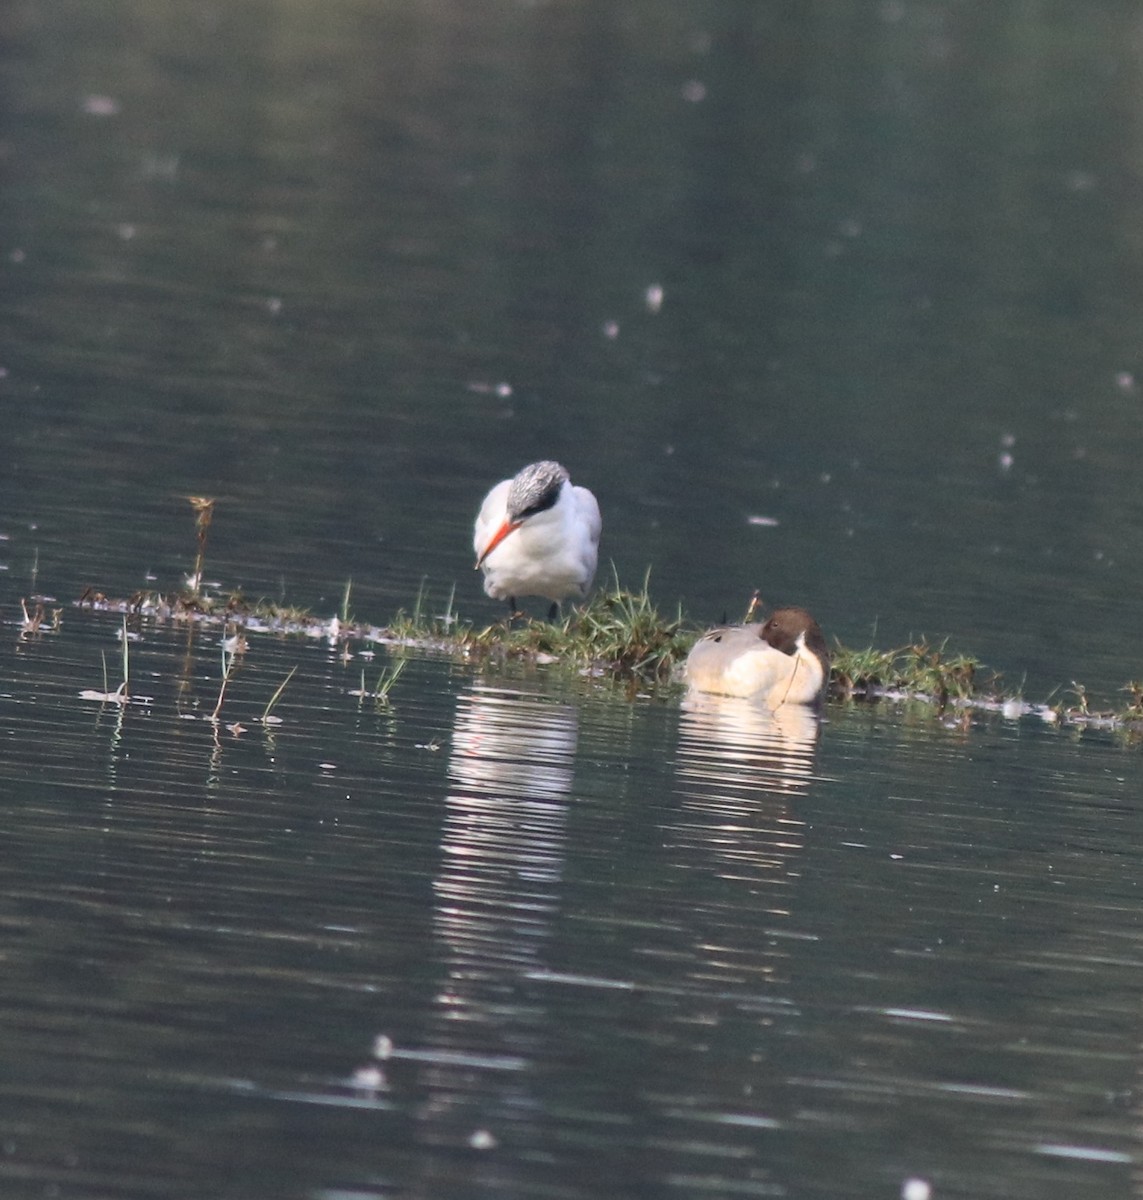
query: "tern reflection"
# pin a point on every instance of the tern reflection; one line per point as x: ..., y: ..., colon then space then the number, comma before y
x: 510, y: 773
x: 496, y: 894
x: 739, y: 767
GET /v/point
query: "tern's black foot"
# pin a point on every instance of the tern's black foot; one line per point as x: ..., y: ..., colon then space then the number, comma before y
x: 554, y: 612
x: 514, y: 613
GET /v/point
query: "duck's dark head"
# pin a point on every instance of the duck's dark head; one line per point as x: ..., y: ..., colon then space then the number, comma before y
x: 787, y: 626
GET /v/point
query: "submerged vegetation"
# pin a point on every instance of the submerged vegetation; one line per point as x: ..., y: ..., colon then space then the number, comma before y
x: 618, y: 632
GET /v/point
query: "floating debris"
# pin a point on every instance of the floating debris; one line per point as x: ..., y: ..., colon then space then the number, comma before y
x: 370, y: 1079
x: 119, y: 696
x: 100, y: 106
x: 502, y: 389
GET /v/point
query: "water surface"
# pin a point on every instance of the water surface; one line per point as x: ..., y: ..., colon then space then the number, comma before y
x: 342, y: 267
x: 644, y: 948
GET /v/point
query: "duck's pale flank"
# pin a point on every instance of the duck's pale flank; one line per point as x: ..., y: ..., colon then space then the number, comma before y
x: 784, y: 661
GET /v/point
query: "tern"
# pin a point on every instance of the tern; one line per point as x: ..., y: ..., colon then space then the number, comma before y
x: 784, y: 661
x: 538, y: 535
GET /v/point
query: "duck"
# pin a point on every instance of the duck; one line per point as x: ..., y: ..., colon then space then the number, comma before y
x: 537, y: 534
x: 783, y: 661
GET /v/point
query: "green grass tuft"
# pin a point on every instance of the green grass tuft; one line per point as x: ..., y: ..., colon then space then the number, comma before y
x: 618, y: 631
x: 921, y: 669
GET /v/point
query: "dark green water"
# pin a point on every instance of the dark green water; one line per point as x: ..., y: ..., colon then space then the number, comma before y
x: 615, y: 949
x: 342, y: 267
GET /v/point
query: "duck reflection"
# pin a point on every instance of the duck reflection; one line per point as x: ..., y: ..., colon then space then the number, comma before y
x: 497, y: 891
x: 738, y: 769
x: 745, y: 745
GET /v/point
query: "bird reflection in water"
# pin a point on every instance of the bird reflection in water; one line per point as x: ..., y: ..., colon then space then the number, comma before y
x: 746, y: 745
x: 497, y: 891
x: 510, y: 774
x: 739, y: 768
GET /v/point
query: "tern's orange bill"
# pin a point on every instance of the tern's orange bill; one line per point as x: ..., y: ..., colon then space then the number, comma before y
x: 497, y: 538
